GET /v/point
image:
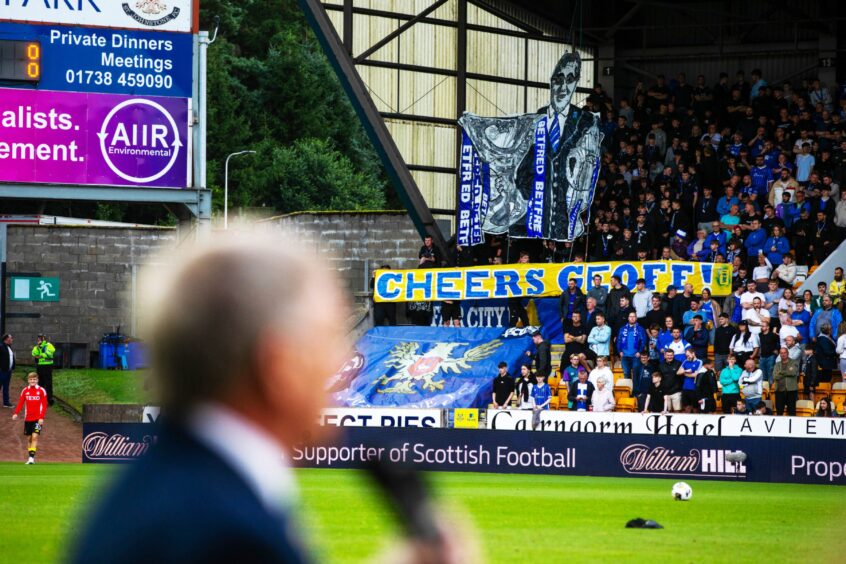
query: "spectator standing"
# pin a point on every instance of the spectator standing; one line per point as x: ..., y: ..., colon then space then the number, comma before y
x: 770, y: 344
x: 689, y: 370
x: 600, y: 371
x: 826, y: 352
x: 598, y: 292
x: 572, y: 301
x: 7, y: 364
x: 723, y: 335
x: 827, y: 315
x: 744, y: 344
x: 599, y: 339
x: 751, y: 385
x: 612, y: 304
x: 808, y: 370
x: 801, y: 320
x: 786, y: 383
x: 523, y: 387
x: 503, y: 388
x: 429, y: 255
x: 841, y: 350
x: 838, y: 286
x: 671, y: 382
x: 699, y: 338
x: 630, y: 341
x: 729, y: 378
x: 642, y: 300
x: 654, y: 401
x: 706, y: 388
x: 541, y: 396
x: 542, y: 357
x: 43, y: 353
x: 602, y: 399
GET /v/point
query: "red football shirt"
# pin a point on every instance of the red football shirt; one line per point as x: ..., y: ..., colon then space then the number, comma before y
x: 35, y: 398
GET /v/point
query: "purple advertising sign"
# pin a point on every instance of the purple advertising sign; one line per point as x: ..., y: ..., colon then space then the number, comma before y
x: 93, y: 139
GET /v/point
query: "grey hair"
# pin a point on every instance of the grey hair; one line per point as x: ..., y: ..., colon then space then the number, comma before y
x: 601, y: 379
x: 210, y: 307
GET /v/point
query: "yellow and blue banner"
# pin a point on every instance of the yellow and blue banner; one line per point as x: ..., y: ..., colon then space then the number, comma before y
x: 542, y: 280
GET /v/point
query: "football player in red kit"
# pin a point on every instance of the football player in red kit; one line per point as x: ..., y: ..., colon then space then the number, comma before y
x: 35, y: 398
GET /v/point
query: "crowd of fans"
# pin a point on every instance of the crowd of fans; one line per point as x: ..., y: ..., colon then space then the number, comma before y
x: 743, y: 172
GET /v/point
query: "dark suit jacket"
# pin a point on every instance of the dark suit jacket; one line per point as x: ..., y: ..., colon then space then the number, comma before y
x: 555, y: 220
x: 181, y: 503
x: 6, y: 359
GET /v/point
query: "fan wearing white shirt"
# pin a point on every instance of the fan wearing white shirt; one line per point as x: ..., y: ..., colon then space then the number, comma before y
x: 602, y: 399
x: 756, y: 315
x: 601, y: 371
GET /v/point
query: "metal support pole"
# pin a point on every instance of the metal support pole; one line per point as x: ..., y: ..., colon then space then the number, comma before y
x: 226, y: 186
x: 460, y: 91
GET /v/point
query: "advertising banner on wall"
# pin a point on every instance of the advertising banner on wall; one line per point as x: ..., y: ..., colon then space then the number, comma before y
x: 680, y: 424
x: 674, y: 457
x: 384, y: 417
x: 108, y: 61
x: 159, y: 15
x: 768, y: 459
x: 540, y: 280
x: 93, y: 139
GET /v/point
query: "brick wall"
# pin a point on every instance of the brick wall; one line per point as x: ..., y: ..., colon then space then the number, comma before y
x: 348, y: 240
x: 94, y: 266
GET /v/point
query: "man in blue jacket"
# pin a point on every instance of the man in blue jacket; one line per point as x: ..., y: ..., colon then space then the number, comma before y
x: 630, y: 341
x: 827, y: 314
x: 754, y: 242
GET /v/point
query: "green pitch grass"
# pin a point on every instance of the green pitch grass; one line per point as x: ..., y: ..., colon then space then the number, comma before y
x: 576, y: 519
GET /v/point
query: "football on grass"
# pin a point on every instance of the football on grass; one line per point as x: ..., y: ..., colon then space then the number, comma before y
x: 682, y: 491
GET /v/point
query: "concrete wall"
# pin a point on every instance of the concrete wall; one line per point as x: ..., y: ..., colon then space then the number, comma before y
x: 348, y: 240
x: 95, y: 269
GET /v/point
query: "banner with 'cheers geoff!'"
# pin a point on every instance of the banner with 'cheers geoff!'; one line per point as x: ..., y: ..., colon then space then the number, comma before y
x: 541, y: 280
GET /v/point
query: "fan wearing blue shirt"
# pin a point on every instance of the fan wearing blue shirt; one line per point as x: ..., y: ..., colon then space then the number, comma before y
x: 776, y: 246
x: 689, y: 369
x: 630, y: 341
x: 754, y: 242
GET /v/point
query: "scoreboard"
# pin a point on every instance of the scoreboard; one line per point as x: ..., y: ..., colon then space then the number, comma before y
x: 20, y: 61
x: 97, y: 97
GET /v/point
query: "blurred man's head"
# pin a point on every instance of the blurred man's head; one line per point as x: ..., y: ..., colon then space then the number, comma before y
x: 251, y: 324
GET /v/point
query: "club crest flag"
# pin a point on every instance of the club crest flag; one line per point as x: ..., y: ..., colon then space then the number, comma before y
x: 426, y: 367
x: 543, y: 280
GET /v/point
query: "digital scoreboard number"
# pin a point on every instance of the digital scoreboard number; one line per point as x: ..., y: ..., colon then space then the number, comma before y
x: 20, y: 61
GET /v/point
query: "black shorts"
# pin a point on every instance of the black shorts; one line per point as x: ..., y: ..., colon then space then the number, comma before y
x: 451, y: 311
x: 690, y: 398
x: 32, y: 427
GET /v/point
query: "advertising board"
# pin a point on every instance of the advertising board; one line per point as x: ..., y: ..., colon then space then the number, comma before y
x: 93, y: 139
x: 159, y: 15
x: 80, y: 59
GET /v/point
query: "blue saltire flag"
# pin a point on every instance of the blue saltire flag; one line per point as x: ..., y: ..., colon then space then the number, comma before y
x: 426, y: 367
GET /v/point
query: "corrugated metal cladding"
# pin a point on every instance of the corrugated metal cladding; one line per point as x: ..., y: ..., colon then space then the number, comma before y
x: 425, y: 94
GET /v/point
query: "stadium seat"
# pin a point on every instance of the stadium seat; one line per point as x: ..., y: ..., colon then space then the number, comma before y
x: 823, y: 389
x: 804, y: 408
x: 622, y: 389
x: 838, y: 393
x: 553, y: 382
x: 562, y: 396
x: 628, y: 405
x: 553, y: 402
